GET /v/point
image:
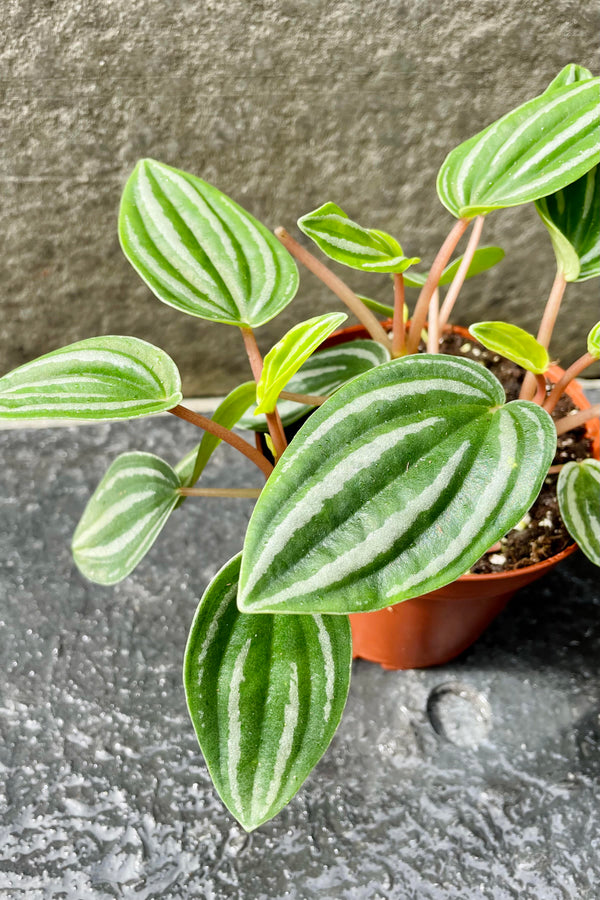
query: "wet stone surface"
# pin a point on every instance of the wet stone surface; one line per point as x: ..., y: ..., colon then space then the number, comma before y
x: 479, y: 779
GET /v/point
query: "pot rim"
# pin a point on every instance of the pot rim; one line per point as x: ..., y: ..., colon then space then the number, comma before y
x: 554, y: 371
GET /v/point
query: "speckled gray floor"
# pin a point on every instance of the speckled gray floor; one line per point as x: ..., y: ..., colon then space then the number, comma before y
x: 479, y: 779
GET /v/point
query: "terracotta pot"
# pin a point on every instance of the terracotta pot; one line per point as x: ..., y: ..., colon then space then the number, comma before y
x: 436, y: 627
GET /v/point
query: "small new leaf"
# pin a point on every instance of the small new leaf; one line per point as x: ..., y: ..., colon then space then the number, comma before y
x: 394, y: 487
x: 532, y: 151
x: 514, y: 343
x: 109, y: 377
x: 343, y: 240
x: 199, y: 251
x: 124, y: 516
x: 593, y: 341
x: 265, y: 695
x: 484, y: 258
x: 382, y: 308
x: 578, y: 492
x: 322, y: 374
x: 288, y: 354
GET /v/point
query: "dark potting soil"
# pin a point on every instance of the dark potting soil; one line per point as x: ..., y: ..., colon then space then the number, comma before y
x: 541, y: 534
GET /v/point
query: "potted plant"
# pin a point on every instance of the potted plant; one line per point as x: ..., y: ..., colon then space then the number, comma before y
x: 403, y: 476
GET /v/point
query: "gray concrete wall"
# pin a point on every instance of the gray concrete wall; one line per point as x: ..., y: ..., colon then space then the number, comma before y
x: 283, y: 105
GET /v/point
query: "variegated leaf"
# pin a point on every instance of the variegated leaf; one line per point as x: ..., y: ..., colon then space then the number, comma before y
x: 265, y: 694
x: 124, y: 516
x: 108, y: 377
x: 199, y: 251
x: 483, y: 258
x: 322, y: 374
x: 228, y: 414
x: 513, y: 343
x: 288, y: 354
x: 392, y: 488
x: 578, y: 491
x: 571, y: 74
x: 532, y: 151
x: 367, y: 249
x: 572, y: 217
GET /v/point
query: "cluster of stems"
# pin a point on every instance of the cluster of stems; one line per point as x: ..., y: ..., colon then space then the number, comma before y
x: 403, y: 341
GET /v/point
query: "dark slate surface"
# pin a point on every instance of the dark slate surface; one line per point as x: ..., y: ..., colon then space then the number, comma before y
x: 479, y: 779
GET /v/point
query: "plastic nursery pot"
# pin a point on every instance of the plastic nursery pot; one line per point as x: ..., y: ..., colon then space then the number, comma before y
x: 434, y: 628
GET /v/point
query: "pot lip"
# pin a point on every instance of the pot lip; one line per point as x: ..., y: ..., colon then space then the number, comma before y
x: 555, y: 371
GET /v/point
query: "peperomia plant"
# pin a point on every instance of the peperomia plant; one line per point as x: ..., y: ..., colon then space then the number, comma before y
x: 410, y: 464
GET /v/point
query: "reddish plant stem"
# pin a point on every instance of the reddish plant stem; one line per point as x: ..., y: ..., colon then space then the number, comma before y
x: 546, y: 328
x: 335, y: 284
x: 435, y: 273
x: 256, y: 364
x: 225, y: 435
x: 540, y: 394
x: 306, y: 399
x: 249, y: 493
x: 433, y: 323
x: 567, y: 423
x: 572, y: 372
x: 459, y: 279
x: 554, y: 470
x: 398, y: 331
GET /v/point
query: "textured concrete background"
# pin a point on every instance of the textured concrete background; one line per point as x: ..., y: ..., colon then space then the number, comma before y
x: 281, y: 104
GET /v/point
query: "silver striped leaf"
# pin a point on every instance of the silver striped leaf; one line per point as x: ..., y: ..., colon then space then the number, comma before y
x: 347, y: 242
x: 593, y: 341
x: 124, y: 516
x: 532, y: 151
x: 199, y: 251
x: 578, y: 492
x: 392, y: 488
x: 322, y: 374
x: 265, y: 695
x: 108, y: 377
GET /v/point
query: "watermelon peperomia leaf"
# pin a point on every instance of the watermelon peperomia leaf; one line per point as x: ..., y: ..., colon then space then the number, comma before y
x: 124, y: 516
x: 343, y: 240
x: 110, y: 377
x: 265, y: 695
x: 514, y: 343
x: 288, y: 354
x: 199, y: 251
x: 322, y: 374
x: 572, y: 215
x: 578, y: 492
x: 394, y: 487
x: 536, y: 149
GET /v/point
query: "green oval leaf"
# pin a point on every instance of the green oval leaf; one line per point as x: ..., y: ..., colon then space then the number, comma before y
x: 124, y: 516
x: 265, y: 694
x: 321, y: 375
x: 199, y: 251
x: 532, y: 151
x: 514, y: 343
x: 228, y: 414
x: 343, y: 240
x: 393, y: 488
x: 593, y: 341
x: 109, y: 377
x: 484, y: 258
x: 288, y: 354
x: 578, y: 492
